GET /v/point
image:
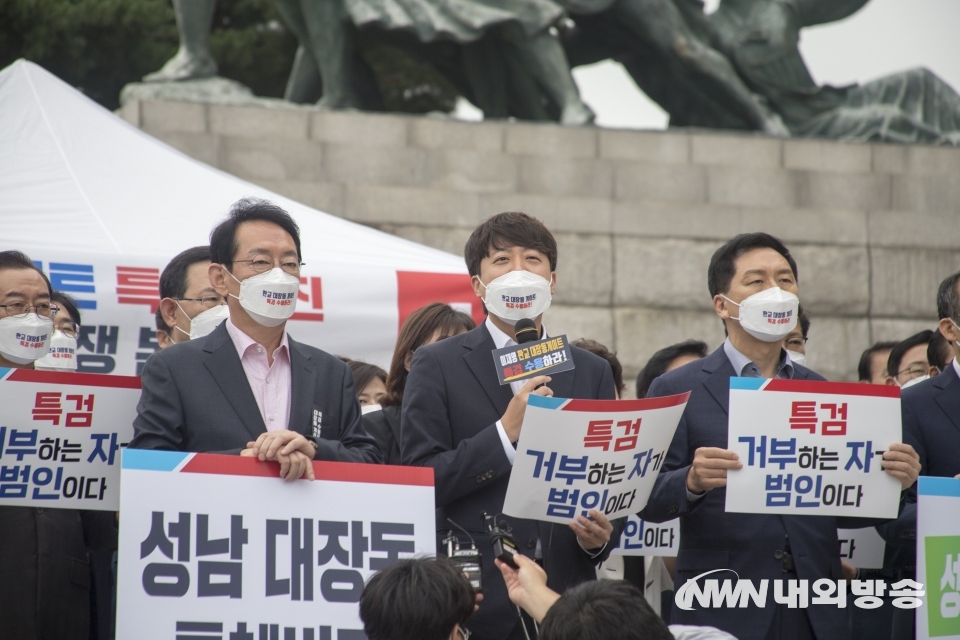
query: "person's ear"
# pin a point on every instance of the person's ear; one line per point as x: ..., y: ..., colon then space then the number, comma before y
x: 890, y: 381
x: 408, y: 361
x: 168, y: 309
x: 478, y: 287
x: 218, y: 279
x: 553, y: 282
x: 948, y: 331
x: 163, y: 339
x: 720, y: 305
x: 933, y: 371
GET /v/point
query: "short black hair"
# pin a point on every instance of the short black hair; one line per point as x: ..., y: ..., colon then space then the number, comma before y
x: 864, y: 368
x: 723, y: 264
x: 416, y: 599
x: 223, y: 238
x: 68, y: 304
x: 363, y: 373
x: 657, y: 364
x: 948, y: 298
x: 804, y: 321
x: 939, y: 352
x: 505, y: 230
x: 901, y: 348
x: 598, y: 349
x: 19, y: 260
x: 603, y: 610
x: 173, y: 280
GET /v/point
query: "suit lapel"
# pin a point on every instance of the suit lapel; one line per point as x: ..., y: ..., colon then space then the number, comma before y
x: 303, y: 376
x: 224, y: 366
x: 718, y: 369
x: 948, y: 397
x: 481, y: 364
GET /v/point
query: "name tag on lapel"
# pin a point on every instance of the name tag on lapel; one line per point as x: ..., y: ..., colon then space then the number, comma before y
x: 316, y: 421
x: 543, y: 357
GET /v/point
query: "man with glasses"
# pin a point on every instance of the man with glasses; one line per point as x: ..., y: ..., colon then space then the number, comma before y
x: 248, y: 388
x: 908, y: 360
x: 189, y: 307
x: 44, y: 572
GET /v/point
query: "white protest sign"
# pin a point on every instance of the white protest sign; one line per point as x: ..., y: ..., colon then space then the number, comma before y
x: 220, y: 544
x: 812, y: 448
x: 938, y: 557
x: 863, y: 548
x: 577, y: 455
x: 642, y: 538
x: 60, y: 436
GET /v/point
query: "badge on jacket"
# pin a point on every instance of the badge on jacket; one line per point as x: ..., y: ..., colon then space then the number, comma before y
x: 317, y: 418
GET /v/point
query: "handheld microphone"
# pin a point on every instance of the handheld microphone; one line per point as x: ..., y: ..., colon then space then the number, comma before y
x: 526, y: 331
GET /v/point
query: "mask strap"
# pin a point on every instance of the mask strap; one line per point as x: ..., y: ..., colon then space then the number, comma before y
x: 185, y: 314
x: 731, y: 302
x: 234, y: 277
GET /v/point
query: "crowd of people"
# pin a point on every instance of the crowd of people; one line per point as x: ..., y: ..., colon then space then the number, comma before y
x: 230, y: 379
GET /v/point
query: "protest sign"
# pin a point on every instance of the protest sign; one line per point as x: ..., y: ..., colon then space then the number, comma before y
x: 60, y: 434
x: 812, y: 448
x: 938, y: 557
x: 577, y: 455
x: 642, y: 538
x: 541, y: 358
x: 863, y: 548
x: 221, y: 544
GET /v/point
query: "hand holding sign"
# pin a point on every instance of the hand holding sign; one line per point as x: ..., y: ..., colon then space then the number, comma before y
x: 903, y: 463
x: 709, y: 468
x: 512, y: 420
x: 593, y: 532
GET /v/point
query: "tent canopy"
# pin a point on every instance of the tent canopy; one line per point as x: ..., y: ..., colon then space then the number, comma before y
x: 75, y: 177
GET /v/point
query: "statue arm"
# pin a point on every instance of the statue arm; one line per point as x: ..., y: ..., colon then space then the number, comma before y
x: 813, y: 12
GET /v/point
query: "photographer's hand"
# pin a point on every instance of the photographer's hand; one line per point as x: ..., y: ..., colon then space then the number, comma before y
x: 527, y: 586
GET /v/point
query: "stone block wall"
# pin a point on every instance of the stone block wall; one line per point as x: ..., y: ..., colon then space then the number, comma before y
x: 637, y: 215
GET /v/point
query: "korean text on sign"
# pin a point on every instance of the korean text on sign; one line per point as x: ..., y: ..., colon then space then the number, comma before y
x: 578, y: 455
x: 812, y: 448
x: 60, y: 437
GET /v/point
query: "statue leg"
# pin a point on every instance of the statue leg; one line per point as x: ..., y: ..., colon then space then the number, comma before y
x: 660, y: 23
x: 544, y: 57
x: 303, y: 85
x: 193, y: 59
x: 332, y: 49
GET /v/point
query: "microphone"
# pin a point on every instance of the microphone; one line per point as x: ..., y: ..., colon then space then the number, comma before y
x: 526, y: 331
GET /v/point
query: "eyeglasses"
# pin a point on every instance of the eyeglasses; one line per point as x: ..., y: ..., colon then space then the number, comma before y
x: 69, y: 328
x: 44, y: 309
x: 262, y: 264
x: 207, y: 302
x: 914, y: 371
x: 464, y: 633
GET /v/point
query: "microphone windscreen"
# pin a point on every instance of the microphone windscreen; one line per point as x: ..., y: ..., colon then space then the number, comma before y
x: 526, y: 331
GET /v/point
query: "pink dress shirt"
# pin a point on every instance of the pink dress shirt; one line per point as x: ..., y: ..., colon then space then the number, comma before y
x: 271, y: 385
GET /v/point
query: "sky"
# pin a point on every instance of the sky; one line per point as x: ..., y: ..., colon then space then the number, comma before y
x: 883, y: 37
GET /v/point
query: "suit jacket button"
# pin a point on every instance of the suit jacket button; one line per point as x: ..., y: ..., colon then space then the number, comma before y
x: 778, y: 554
x: 531, y: 543
x: 673, y: 509
x: 491, y: 473
x: 480, y: 479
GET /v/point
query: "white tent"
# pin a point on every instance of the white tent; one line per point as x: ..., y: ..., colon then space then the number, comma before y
x: 102, y: 207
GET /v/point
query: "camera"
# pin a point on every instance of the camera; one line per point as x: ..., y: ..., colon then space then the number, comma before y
x: 504, y: 546
x: 468, y: 559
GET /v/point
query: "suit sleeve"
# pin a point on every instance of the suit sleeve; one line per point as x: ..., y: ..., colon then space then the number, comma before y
x: 903, y: 531
x: 99, y: 530
x: 351, y: 442
x: 668, y: 500
x: 427, y: 436
x: 160, y: 421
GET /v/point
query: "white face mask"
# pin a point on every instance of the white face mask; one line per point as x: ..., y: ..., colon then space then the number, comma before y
x: 205, y: 322
x: 25, y: 338
x: 769, y: 315
x: 796, y: 357
x: 517, y: 295
x: 369, y: 408
x: 917, y: 380
x: 62, y: 355
x: 270, y: 298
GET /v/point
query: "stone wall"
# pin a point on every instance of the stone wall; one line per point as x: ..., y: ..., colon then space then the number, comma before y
x: 874, y: 227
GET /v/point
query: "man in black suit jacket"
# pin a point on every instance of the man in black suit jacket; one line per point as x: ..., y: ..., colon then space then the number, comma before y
x: 248, y: 388
x: 692, y: 482
x: 459, y: 420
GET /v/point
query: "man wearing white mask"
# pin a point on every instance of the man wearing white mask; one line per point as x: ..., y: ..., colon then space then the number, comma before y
x: 62, y: 355
x: 189, y: 307
x: 753, y: 281
x: 458, y: 419
x: 248, y: 388
x: 44, y: 571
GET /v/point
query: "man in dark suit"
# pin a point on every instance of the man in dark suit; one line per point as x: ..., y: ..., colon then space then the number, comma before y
x: 459, y: 420
x: 248, y: 388
x: 749, y: 276
x: 931, y: 423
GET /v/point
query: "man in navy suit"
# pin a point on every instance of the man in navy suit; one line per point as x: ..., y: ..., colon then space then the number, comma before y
x: 749, y: 276
x: 459, y: 420
x: 931, y: 423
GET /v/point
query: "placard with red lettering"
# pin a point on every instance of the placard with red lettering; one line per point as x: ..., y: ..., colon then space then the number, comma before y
x: 577, y: 455
x: 60, y: 437
x: 811, y: 447
x: 215, y: 546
